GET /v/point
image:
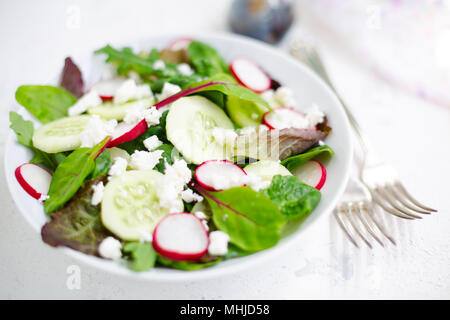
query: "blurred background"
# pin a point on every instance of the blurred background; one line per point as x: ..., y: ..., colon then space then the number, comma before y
x: 389, y: 60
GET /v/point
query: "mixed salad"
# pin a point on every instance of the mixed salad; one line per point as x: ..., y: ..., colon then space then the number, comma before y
x: 175, y: 158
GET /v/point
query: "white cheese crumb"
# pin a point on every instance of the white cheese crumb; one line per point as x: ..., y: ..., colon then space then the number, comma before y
x: 151, y: 143
x: 110, y: 248
x: 218, y: 243
x: 136, y: 114
x: 256, y: 183
x: 96, y: 130
x: 146, y: 237
x: 145, y: 160
x: 159, y: 65
x: 281, y: 97
x: 189, y: 196
x: 119, y: 166
x: 201, y: 215
x: 99, y: 189
x: 168, y: 90
x: 90, y: 99
x: 130, y: 91
x: 185, y: 69
x: 172, y: 183
x: 314, y: 116
x: 224, y: 136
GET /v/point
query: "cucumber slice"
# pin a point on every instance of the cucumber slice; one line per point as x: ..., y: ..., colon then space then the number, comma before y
x: 119, y: 153
x: 267, y: 169
x: 130, y: 205
x: 189, y: 127
x: 109, y: 110
x: 245, y: 113
x: 60, y: 135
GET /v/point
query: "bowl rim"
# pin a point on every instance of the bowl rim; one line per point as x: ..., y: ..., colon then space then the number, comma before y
x: 171, y: 275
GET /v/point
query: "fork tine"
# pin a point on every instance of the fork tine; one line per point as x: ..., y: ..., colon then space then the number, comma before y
x: 386, y: 196
x: 343, y: 226
x: 401, y: 198
x: 378, y: 200
x: 355, y: 227
x: 410, y: 197
x: 361, y: 210
x: 379, y: 225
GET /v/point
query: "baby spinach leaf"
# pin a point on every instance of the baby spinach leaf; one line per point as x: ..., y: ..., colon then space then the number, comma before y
x: 206, y: 59
x: 251, y: 219
x: 294, y: 198
x: 24, y: 130
x: 141, y: 256
x: 166, y: 157
x: 189, y: 265
x: 297, y: 161
x: 46, y: 103
x: 102, y: 164
x: 69, y: 176
x: 78, y: 224
x: 71, y: 78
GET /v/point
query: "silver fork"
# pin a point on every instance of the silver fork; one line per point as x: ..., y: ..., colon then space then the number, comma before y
x: 355, y: 215
x: 380, y: 178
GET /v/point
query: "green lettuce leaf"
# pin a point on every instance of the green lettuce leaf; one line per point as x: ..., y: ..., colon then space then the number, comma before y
x: 141, y: 256
x: 250, y: 218
x: 78, y: 225
x: 206, y: 59
x: 102, y: 164
x: 46, y: 103
x: 293, y: 198
x: 297, y: 161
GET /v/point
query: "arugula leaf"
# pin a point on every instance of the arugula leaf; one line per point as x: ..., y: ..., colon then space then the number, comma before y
x: 251, y: 219
x: 189, y: 265
x: 297, y: 161
x: 102, y: 164
x: 294, y: 198
x: 46, y: 103
x: 78, y: 225
x: 206, y: 59
x: 70, y: 175
x: 141, y: 255
x: 24, y: 130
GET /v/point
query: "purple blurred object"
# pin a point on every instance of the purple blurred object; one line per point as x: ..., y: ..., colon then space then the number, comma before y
x: 266, y: 20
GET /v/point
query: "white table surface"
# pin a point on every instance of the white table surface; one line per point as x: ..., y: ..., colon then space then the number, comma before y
x: 413, y: 134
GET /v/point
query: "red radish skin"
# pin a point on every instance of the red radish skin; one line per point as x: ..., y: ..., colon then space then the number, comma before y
x: 201, y: 180
x: 272, y: 126
x: 312, y: 173
x: 180, y: 43
x: 132, y: 133
x: 106, y: 89
x: 176, y: 254
x: 235, y: 68
x: 36, y: 190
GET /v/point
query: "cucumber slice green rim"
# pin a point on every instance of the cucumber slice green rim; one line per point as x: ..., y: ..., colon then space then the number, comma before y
x: 60, y: 135
x: 130, y: 205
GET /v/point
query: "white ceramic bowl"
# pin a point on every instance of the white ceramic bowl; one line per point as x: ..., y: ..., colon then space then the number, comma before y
x: 308, y: 89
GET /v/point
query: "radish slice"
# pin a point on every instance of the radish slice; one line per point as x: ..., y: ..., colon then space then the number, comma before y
x: 250, y: 75
x: 180, y: 44
x: 106, y: 89
x: 181, y: 236
x: 33, y: 179
x: 217, y: 175
x: 312, y: 173
x: 124, y: 132
x: 284, y: 117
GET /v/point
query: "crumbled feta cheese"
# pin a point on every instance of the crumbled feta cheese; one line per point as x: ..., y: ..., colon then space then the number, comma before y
x: 96, y: 130
x: 314, y: 116
x: 218, y: 243
x: 130, y: 91
x: 269, y: 96
x: 99, y: 188
x: 152, y: 116
x: 201, y: 215
x: 110, y: 248
x: 189, y: 196
x: 224, y: 136
x: 136, y: 114
x: 43, y: 197
x: 152, y: 142
x: 185, y: 69
x: 145, y: 160
x: 119, y: 166
x: 135, y: 76
x: 172, y: 184
x: 159, y: 65
x: 256, y: 183
x: 281, y: 97
x: 90, y: 99
x: 168, y: 90
x: 146, y: 237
